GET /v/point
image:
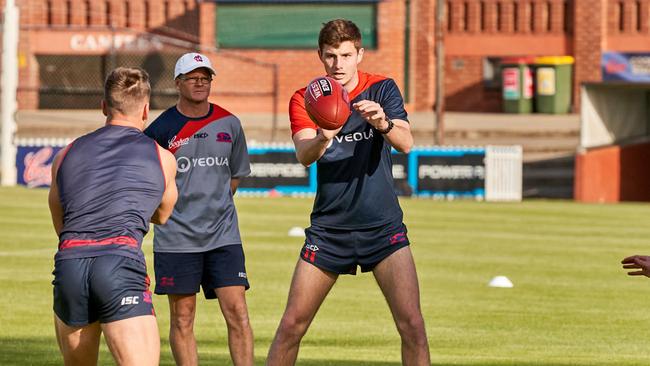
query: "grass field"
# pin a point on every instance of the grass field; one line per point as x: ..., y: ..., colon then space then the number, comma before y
x: 572, y: 304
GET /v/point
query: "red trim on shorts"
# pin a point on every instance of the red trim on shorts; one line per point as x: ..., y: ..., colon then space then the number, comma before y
x: 120, y: 240
x: 309, y: 255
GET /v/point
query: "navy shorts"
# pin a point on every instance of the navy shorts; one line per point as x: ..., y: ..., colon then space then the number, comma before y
x: 105, y: 289
x: 183, y: 273
x: 341, y: 251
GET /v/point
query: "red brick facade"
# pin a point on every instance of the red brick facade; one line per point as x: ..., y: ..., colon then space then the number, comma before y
x: 474, y: 30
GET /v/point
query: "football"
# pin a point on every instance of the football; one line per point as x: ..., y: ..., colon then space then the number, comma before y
x: 327, y: 103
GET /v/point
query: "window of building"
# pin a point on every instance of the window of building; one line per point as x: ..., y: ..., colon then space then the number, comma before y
x: 492, y: 73
x: 288, y: 25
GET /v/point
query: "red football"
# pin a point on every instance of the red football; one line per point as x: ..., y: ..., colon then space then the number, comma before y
x: 327, y: 103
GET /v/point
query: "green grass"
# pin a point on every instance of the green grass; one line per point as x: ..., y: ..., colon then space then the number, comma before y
x: 572, y: 304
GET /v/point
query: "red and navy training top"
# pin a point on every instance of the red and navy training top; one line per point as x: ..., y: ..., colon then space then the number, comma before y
x: 355, y: 182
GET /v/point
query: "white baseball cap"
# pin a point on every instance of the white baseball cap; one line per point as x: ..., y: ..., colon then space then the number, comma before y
x: 192, y: 61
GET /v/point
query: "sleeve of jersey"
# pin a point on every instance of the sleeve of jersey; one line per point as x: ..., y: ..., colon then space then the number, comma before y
x: 240, y: 165
x: 298, y: 114
x: 392, y: 101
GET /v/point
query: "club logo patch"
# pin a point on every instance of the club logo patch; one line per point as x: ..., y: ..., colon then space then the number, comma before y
x: 223, y: 137
x: 167, y: 281
x: 198, y: 58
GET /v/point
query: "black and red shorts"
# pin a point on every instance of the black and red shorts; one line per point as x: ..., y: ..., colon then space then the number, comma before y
x: 186, y: 273
x: 105, y: 289
x: 341, y: 251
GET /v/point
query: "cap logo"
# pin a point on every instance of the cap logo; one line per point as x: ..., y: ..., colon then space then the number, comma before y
x: 198, y: 58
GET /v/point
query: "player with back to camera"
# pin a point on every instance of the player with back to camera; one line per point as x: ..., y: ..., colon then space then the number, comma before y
x: 106, y: 188
x: 356, y: 219
x: 200, y: 246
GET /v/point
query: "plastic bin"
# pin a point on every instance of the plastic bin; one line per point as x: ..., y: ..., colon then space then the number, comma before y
x: 553, y: 90
x: 517, y: 84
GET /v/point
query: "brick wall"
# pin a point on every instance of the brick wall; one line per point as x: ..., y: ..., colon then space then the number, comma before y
x: 502, y: 28
x: 464, y: 86
x: 422, y: 55
x: 589, y: 40
x: 474, y: 29
x: 297, y: 67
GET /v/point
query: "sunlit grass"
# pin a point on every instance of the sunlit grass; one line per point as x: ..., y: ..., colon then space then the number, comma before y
x: 571, y: 305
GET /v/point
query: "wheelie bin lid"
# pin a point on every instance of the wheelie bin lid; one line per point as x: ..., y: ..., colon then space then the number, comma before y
x: 555, y: 60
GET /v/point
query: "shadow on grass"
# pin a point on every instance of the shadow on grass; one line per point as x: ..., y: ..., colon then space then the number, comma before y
x: 41, y: 351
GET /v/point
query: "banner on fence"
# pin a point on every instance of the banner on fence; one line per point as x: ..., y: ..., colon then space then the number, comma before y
x: 34, y: 165
x: 439, y: 172
x: 277, y: 169
x: 448, y: 172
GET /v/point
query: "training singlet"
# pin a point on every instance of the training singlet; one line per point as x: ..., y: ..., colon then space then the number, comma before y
x: 355, y: 180
x: 110, y: 183
x: 209, y: 151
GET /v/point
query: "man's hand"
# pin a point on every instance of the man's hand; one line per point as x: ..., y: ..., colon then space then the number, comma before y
x: 372, y: 112
x: 641, y: 262
x: 327, y: 134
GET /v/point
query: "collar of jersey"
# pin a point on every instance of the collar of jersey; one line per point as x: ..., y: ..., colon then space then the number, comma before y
x: 195, y: 118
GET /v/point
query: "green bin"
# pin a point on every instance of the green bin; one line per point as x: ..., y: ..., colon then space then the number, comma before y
x: 553, y: 90
x: 517, y: 84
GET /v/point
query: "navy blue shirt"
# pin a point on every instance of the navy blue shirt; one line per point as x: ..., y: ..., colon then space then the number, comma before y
x: 110, y: 183
x: 355, y: 182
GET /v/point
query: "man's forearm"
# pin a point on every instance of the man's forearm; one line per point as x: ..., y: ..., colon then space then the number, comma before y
x: 400, y: 137
x: 310, y: 150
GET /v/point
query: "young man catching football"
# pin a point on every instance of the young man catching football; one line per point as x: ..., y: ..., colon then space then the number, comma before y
x: 356, y: 219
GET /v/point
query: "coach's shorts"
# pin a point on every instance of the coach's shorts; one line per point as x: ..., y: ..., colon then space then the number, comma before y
x: 105, y: 289
x: 183, y: 273
x: 341, y: 251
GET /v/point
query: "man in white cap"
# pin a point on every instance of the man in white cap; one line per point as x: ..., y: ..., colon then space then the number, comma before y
x: 200, y: 245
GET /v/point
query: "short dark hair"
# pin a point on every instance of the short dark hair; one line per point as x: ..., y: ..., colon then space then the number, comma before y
x: 126, y: 89
x: 338, y: 31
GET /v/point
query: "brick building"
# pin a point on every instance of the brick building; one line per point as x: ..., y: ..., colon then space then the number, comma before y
x: 263, y: 51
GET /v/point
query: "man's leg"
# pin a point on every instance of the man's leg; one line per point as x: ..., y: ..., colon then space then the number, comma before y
x: 182, y: 309
x: 309, y: 287
x: 78, y: 345
x: 232, y: 300
x: 398, y: 281
x: 133, y: 341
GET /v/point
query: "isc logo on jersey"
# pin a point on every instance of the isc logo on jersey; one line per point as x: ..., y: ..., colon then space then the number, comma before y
x: 184, y: 163
x: 130, y: 300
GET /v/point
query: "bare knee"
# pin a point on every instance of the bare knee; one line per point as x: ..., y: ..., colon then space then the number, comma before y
x: 292, y: 328
x: 236, y: 316
x: 412, y: 329
x: 182, y: 322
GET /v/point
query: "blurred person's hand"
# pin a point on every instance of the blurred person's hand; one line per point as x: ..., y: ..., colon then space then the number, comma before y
x: 641, y: 262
